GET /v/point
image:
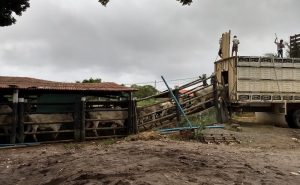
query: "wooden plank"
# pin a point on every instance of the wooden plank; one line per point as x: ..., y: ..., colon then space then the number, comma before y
x: 49, y: 132
x: 105, y: 137
x: 105, y: 109
x: 47, y: 123
x: 104, y: 120
x: 226, y: 44
x: 83, y: 121
x: 232, y: 79
x: 130, y: 118
x: 15, y: 117
x: 160, y: 119
x: 77, y: 117
x: 106, y: 128
x: 21, y: 122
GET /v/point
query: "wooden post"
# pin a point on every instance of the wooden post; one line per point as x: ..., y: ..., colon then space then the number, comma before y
x: 178, y: 113
x: 226, y: 44
x: 15, y: 117
x: 82, y: 110
x: 129, y: 127
x: 21, y: 120
x: 135, y: 120
x: 77, y: 123
x: 216, y: 101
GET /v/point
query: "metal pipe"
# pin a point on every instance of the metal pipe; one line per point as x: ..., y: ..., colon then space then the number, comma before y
x: 177, y: 103
x: 189, y: 128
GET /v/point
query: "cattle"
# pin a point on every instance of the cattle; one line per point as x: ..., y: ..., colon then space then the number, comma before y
x: 47, y: 118
x: 5, y: 118
x: 167, y: 108
x: 113, y: 118
x: 149, y: 113
x: 156, y: 111
x: 203, y: 95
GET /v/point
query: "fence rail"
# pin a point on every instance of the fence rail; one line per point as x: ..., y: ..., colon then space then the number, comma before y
x: 199, y: 95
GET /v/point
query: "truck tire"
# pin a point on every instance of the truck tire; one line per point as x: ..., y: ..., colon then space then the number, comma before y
x: 289, y: 120
x: 296, y: 118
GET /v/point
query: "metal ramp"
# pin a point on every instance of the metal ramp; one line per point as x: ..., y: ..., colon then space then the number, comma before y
x: 193, y: 97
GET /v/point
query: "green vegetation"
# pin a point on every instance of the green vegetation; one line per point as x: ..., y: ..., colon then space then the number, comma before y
x: 91, y: 80
x: 10, y: 8
x: 146, y: 102
x: 200, y: 119
x: 144, y: 91
x: 206, y: 117
x: 184, y: 2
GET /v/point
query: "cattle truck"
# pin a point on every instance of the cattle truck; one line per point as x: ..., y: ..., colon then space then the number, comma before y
x: 261, y: 84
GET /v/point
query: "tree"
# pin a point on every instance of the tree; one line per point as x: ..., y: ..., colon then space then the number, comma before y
x: 91, y: 80
x: 8, y: 7
x: 144, y: 91
x: 184, y: 2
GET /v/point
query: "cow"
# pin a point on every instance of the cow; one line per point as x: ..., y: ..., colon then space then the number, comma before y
x: 167, y: 108
x: 148, y: 113
x: 43, y: 118
x: 203, y: 95
x: 116, y: 118
x: 5, y: 118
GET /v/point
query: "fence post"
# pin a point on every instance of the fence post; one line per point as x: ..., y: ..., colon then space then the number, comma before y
x: 82, y: 111
x: 216, y: 101
x: 178, y: 113
x: 130, y: 115
x: 77, y: 123
x: 135, y: 118
x: 15, y: 117
x: 21, y: 120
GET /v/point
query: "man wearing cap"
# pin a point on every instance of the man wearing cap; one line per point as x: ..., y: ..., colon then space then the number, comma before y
x: 235, y: 45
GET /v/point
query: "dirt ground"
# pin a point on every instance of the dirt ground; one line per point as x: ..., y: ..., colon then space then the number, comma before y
x: 266, y: 155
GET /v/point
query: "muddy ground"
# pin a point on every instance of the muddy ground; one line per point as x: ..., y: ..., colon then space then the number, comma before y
x: 266, y: 155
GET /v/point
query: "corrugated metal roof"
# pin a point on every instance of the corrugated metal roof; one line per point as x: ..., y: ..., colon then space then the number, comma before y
x: 7, y: 82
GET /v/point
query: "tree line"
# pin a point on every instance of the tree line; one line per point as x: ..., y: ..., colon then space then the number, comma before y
x: 142, y: 90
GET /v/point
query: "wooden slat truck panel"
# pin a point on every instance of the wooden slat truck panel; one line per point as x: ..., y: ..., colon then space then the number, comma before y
x: 260, y: 79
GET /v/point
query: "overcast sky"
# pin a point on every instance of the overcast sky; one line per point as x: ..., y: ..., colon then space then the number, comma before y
x: 133, y: 41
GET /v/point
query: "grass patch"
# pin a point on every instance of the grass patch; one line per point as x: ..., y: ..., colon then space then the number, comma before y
x: 107, y: 142
x: 72, y: 146
x: 203, y: 118
x: 146, y: 102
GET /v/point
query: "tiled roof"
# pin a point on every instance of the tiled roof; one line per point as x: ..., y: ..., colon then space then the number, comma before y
x: 7, y: 82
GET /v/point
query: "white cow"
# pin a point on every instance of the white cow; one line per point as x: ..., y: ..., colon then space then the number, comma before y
x: 167, y: 108
x: 42, y: 118
x: 5, y: 120
x: 205, y: 94
x: 148, y: 113
x: 105, y: 117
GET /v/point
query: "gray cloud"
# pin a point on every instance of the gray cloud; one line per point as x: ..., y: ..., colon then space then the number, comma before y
x: 137, y: 40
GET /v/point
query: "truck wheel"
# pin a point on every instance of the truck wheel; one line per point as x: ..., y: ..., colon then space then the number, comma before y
x: 296, y: 118
x: 289, y: 120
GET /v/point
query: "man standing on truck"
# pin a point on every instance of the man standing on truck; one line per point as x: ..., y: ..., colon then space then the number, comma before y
x: 280, y: 47
x: 235, y: 45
